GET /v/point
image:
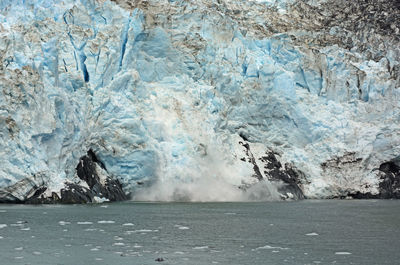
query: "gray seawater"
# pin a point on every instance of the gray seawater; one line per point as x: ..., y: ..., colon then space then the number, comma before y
x: 304, y: 232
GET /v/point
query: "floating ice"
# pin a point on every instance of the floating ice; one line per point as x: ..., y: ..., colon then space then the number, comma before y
x: 269, y: 247
x: 201, y: 247
x: 106, y: 222
x: 84, y: 223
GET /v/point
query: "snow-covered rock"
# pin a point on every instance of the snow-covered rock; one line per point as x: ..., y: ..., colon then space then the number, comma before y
x: 164, y: 91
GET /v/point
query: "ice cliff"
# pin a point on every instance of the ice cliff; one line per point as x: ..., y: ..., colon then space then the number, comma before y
x: 199, y: 100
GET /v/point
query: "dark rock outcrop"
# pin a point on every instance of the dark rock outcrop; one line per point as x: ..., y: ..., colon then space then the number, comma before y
x: 287, y: 178
x: 290, y: 176
x: 389, y: 187
x: 252, y: 160
x: 90, y: 170
x: 87, y: 171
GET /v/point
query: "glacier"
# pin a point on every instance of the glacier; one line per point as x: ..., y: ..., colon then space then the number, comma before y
x: 200, y: 100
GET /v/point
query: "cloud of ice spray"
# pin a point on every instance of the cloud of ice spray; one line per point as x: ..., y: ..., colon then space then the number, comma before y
x: 207, y: 189
x: 208, y: 178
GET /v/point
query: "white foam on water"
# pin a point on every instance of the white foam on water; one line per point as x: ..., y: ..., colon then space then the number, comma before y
x: 2, y: 226
x: 104, y: 206
x: 106, y: 222
x: 179, y: 252
x: 183, y: 228
x: 118, y: 244
x: 64, y: 223
x: 65, y: 230
x: 19, y: 248
x: 90, y: 229
x: 37, y: 253
x: 94, y: 249
x: 137, y: 246
x: 342, y: 253
x: 230, y: 213
x: 19, y: 257
x: 118, y: 238
x: 3, y: 211
x: 1, y: 237
x: 275, y: 251
x: 128, y: 224
x: 84, y: 223
x: 25, y: 229
x: 312, y: 234
x: 99, y: 259
x: 68, y: 245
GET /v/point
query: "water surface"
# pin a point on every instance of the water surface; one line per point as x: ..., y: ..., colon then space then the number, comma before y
x: 304, y: 232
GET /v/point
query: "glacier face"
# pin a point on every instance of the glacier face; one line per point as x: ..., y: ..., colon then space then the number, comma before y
x: 164, y: 91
